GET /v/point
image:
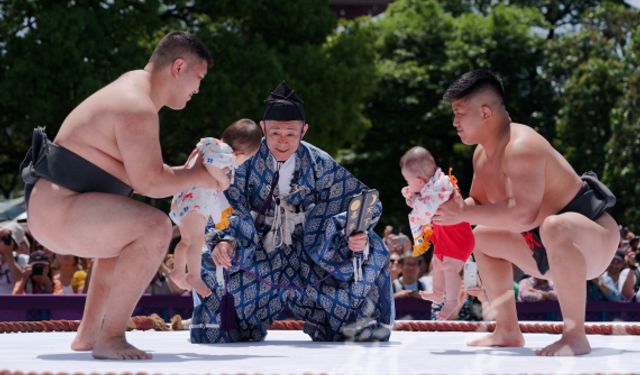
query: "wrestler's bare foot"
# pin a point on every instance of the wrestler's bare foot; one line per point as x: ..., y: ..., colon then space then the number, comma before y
x: 82, y: 344
x: 85, y: 337
x: 569, y: 344
x: 117, y: 348
x: 180, y: 279
x: 196, y: 283
x: 499, y: 338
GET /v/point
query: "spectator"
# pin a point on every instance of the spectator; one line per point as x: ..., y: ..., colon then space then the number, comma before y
x: 408, y: 285
x: 78, y: 281
x: 161, y: 282
x: 65, y: 268
x: 11, y: 239
x: 36, y: 276
x: 386, y: 235
x: 21, y: 245
x: 532, y: 289
x: 425, y: 266
x: 396, y: 241
x: 476, y: 306
x: 396, y: 269
x: 617, y: 282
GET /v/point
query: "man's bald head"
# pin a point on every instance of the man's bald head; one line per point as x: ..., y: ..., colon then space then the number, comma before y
x: 479, y: 83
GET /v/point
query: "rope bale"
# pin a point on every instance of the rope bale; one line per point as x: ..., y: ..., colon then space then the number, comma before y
x: 155, y: 322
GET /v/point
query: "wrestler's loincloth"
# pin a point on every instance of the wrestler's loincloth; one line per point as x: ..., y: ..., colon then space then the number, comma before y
x: 592, y: 200
x: 65, y: 168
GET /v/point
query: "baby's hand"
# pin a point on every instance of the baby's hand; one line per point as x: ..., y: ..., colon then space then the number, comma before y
x: 409, y: 197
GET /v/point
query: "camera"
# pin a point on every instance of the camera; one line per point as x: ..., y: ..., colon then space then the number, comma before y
x: 6, y: 239
x: 37, y: 269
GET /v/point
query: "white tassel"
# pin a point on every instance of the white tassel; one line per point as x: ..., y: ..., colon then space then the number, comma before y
x: 220, y: 277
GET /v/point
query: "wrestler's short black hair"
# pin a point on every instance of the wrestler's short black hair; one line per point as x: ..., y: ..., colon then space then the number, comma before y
x: 472, y: 82
x: 179, y: 44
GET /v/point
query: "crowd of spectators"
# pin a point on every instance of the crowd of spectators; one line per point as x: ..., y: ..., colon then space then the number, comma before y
x: 621, y: 280
x: 410, y: 275
x: 27, y: 267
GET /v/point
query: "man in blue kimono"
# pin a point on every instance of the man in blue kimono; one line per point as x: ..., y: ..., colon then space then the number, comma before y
x: 286, y: 247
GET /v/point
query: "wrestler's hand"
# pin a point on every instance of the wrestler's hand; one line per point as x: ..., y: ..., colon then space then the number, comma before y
x: 451, y: 212
x: 194, y: 154
x: 222, y: 254
x: 205, y: 178
x: 358, y: 241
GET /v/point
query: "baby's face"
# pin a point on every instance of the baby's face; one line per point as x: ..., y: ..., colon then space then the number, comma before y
x: 416, y: 183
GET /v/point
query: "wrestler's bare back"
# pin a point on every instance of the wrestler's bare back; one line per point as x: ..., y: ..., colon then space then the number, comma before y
x: 62, y: 219
x: 491, y: 184
x: 89, y: 130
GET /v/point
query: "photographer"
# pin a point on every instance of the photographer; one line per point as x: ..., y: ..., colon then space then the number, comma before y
x: 632, y: 259
x: 11, y: 239
x: 618, y: 280
x: 36, y: 277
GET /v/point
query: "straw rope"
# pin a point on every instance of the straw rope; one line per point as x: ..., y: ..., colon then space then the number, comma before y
x: 155, y: 322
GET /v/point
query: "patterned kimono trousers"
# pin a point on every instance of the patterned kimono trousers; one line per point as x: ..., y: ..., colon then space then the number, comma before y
x: 312, y: 277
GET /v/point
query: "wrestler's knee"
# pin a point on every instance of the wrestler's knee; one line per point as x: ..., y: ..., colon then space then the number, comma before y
x: 555, y: 231
x: 481, y: 235
x: 158, y: 231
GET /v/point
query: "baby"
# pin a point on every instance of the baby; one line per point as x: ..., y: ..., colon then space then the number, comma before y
x: 428, y: 188
x: 191, y: 209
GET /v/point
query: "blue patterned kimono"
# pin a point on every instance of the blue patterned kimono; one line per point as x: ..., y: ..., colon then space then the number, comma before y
x: 334, y: 309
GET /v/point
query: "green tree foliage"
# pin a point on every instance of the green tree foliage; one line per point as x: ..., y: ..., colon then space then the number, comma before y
x: 423, y: 48
x: 622, y: 170
x: 54, y: 54
x: 372, y: 87
x: 594, y: 69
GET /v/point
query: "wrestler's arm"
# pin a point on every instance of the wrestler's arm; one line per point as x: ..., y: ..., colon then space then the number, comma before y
x: 523, y: 170
x: 138, y: 141
x: 475, y: 193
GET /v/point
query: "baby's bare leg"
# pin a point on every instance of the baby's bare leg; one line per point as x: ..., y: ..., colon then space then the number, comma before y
x: 192, y: 230
x: 452, y: 282
x: 438, y: 283
x: 179, y: 272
